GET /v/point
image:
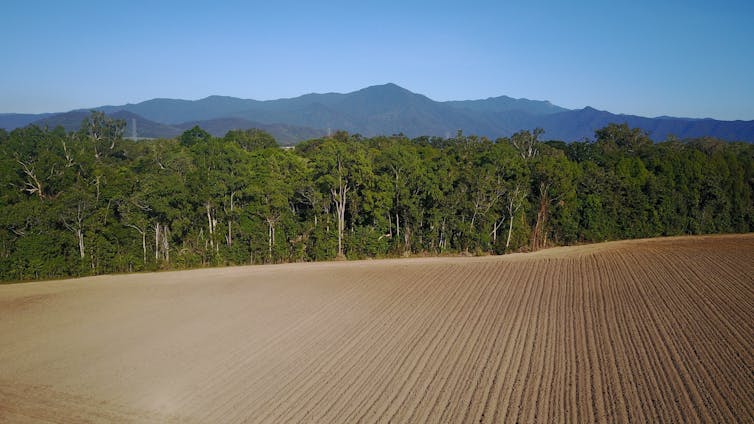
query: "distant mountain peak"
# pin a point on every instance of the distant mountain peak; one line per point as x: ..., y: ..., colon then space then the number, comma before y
x: 387, y: 85
x: 502, y: 97
x: 507, y: 104
x: 388, y: 88
x: 219, y: 97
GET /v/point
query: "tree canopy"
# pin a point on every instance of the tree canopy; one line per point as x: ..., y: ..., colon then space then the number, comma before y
x: 91, y: 202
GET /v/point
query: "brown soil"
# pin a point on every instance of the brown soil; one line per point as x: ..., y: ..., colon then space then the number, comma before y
x: 641, y: 331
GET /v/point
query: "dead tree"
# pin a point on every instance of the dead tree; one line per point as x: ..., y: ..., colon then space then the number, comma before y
x: 526, y: 143
x: 32, y: 185
x: 339, y: 197
x: 76, y: 225
x: 161, y: 242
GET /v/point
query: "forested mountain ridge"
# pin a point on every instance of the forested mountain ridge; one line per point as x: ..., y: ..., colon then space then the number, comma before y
x: 92, y: 202
x: 390, y: 109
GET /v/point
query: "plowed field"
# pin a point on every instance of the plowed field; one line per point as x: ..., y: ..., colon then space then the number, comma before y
x: 639, y: 331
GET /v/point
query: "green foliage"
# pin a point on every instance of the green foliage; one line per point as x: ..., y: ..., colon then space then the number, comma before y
x: 90, y: 202
x: 195, y: 135
x: 251, y: 139
x: 623, y: 138
x: 102, y: 132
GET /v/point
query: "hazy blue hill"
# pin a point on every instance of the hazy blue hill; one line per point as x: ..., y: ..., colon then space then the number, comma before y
x: 305, y: 114
x: 10, y: 121
x: 326, y: 99
x: 146, y: 128
x: 379, y: 99
x: 390, y: 109
x: 379, y: 109
x: 219, y: 127
x: 579, y: 124
x: 283, y: 133
x: 508, y: 104
x: 171, y: 111
x: 288, y: 135
x: 71, y: 121
x: 386, y: 109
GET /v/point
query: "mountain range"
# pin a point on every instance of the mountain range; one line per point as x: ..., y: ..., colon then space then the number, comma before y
x: 380, y: 110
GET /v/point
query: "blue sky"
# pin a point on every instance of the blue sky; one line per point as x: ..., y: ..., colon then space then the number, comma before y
x: 650, y: 58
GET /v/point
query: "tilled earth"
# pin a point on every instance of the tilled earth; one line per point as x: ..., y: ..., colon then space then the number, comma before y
x: 655, y: 330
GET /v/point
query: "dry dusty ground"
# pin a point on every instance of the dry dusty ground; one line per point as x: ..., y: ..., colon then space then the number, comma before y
x: 640, y: 331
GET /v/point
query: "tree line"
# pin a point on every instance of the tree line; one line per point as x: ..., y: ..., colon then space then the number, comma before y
x: 91, y: 202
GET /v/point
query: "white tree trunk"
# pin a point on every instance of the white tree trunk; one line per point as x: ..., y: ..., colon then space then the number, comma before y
x: 230, y: 233
x: 339, y: 196
x: 495, y: 227
x: 210, y: 226
x: 510, y: 230
x: 157, y: 242
x: 341, y: 209
x: 514, y: 204
x: 80, y: 236
x: 144, y: 246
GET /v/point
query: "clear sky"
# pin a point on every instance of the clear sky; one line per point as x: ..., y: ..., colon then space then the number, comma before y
x: 680, y: 58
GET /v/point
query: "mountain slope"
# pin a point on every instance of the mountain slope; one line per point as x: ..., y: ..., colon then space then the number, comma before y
x: 385, y: 109
x: 579, y: 124
x: 390, y: 109
x: 146, y: 128
x: 171, y: 111
x: 10, y: 121
x: 508, y: 104
x: 283, y: 133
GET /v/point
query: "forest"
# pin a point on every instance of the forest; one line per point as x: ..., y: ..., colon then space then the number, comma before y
x: 93, y: 202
